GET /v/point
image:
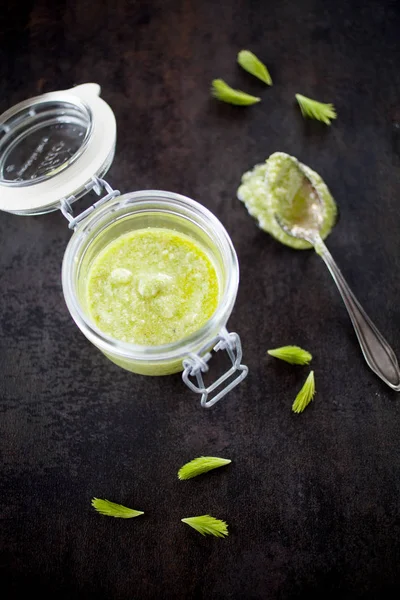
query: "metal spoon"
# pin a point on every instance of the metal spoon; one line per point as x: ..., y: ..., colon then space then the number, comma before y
x: 306, y: 226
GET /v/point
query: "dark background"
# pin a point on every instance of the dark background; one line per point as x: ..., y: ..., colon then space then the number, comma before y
x: 312, y: 500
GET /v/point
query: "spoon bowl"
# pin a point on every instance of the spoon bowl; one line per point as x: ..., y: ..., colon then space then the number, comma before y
x: 307, y: 211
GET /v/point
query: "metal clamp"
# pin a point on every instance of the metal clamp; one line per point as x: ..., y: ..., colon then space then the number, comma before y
x: 196, y: 364
x: 98, y: 186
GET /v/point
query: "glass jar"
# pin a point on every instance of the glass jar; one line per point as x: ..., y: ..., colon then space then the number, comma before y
x: 57, y: 147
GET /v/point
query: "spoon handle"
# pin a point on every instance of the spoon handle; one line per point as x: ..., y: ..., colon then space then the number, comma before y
x: 377, y: 352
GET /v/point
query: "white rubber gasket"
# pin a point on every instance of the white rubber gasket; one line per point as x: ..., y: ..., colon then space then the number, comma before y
x: 71, y: 181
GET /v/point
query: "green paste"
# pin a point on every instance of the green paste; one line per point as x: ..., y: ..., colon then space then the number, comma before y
x: 265, y: 188
x: 151, y: 286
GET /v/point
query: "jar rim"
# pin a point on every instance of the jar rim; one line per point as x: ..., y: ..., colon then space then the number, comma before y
x: 173, y: 350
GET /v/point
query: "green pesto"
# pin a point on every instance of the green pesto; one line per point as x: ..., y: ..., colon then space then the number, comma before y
x: 265, y: 189
x: 152, y: 286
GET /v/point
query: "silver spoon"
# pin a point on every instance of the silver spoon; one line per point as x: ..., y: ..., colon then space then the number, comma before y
x: 306, y: 226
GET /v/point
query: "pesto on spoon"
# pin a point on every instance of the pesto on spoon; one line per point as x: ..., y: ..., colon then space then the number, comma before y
x: 301, y: 214
x: 265, y: 188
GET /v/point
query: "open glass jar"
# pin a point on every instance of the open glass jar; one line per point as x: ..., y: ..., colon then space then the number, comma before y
x: 54, y: 149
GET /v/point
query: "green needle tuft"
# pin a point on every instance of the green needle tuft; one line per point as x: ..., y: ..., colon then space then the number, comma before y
x: 291, y: 354
x: 200, y: 465
x: 253, y: 65
x: 316, y: 110
x: 207, y: 525
x: 305, y: 395
x: 222, y: 91
x: 111, y: 509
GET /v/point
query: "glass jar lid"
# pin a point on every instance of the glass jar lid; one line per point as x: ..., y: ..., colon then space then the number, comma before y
x: 52, y: 146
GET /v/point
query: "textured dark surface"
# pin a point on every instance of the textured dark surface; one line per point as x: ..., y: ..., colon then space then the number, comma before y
x: 312, y: 500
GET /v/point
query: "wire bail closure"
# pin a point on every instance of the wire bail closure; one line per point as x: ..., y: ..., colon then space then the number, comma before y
x: 98, y: 186
x: 196, y: 364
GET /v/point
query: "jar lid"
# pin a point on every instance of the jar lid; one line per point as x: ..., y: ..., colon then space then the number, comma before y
x: 51, y: 148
